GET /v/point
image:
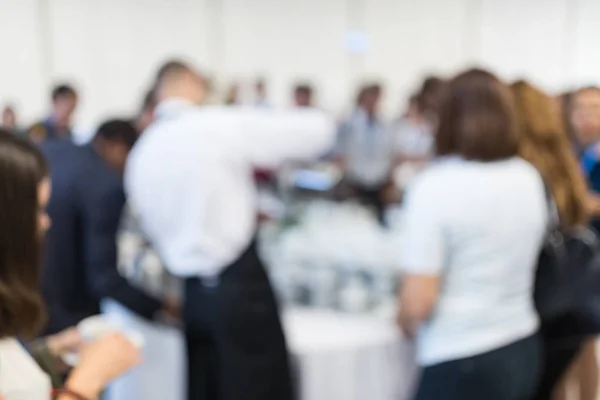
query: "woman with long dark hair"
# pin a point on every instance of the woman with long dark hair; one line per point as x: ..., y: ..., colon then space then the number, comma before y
x: 24, y: 191
x: 475, y: 223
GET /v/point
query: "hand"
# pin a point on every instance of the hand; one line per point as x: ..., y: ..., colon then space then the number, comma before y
x: 64, y: 342
x: 263, y: 217
x: 101, y: 362
x: 407, y: 326
x: 172, y: 308
x: 389, y: 193
x: 339, y: 161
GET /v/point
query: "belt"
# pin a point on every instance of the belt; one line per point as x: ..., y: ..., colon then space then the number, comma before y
x: 207, y: 281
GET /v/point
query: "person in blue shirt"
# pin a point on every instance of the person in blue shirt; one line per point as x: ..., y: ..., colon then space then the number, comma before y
x: 58, y: 124
x: 585, y: 122
x: 365, y: 150
x: 590, y: 163
x: 585, y: 117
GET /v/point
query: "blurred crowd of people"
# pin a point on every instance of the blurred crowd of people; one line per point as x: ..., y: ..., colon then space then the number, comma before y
x: 470, y: 158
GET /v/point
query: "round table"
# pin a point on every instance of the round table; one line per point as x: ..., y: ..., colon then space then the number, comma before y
x: 350, y: 357
x: 336, y: 356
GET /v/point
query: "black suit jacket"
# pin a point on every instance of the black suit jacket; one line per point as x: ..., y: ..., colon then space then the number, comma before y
x: 80, y: 261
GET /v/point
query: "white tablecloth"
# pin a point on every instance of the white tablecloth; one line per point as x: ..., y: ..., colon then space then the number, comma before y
x: 338, y: 356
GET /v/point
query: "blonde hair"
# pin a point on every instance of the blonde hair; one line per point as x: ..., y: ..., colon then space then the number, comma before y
x: 543, y: 141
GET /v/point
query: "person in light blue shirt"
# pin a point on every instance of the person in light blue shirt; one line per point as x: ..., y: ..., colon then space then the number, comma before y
x: 415, y: 129
x: 365, y: 149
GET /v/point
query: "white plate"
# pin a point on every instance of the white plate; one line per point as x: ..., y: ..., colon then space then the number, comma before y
x: 95, y: 327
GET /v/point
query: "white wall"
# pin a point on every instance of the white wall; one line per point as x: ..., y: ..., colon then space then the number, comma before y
x: 111, y: 48
x: 22, y: 78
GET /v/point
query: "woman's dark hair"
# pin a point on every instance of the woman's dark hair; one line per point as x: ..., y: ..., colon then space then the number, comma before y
x: 428, y: 97
x: 477, y: 119
x: 367, y: 90
x: 22, y: 168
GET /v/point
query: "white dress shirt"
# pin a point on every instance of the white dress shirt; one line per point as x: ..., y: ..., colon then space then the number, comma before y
x: 189, y: 179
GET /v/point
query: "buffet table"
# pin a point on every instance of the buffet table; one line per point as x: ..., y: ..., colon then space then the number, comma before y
x: 350, y: 357
x: 336, y: 356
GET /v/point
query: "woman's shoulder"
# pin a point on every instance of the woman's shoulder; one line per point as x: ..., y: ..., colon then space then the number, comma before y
x: 439, y: 169
x: 24, y: 377
x: 10, y: 344
x: 455, y: 172
x: 434, y: 176
x: 526, y: 170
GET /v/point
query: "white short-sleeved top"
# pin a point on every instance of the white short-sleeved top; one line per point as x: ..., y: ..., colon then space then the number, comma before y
x: 479, y: 226
x: 20, y: 377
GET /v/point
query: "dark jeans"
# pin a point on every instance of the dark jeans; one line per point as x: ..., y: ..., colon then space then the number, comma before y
x: 372, y: 198
x: 508, y: 373
x: 235, y: 342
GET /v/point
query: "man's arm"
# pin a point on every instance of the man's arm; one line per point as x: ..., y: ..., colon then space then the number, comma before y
x: 101, y: 208
x: 269, y: 137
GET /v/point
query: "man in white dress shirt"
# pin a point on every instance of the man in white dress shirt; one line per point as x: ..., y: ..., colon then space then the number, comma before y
x: 190, y: 184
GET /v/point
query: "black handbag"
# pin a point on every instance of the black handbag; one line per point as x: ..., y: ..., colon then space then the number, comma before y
x: 567, y: 281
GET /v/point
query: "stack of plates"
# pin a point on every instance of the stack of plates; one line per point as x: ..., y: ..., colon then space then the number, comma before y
x: 95, y: 327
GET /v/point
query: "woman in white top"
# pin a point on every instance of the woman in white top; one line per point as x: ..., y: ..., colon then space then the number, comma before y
x: 475, y: 221
x: 24, y: 192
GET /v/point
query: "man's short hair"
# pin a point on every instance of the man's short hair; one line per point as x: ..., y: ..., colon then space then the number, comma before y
x: 366, y: 90
x: 432, y: 84
x: 63, y: 90
x: 171, y: 68
x: 303, y: 88
x: 117, y: 130
x: 430, y: 93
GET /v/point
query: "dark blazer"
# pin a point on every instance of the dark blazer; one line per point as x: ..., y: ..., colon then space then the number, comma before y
x: 80, y: 260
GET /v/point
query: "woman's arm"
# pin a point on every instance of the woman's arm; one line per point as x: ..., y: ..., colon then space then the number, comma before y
x: 422, y: 258
x: 418, y: 296
x: 100, y: 362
